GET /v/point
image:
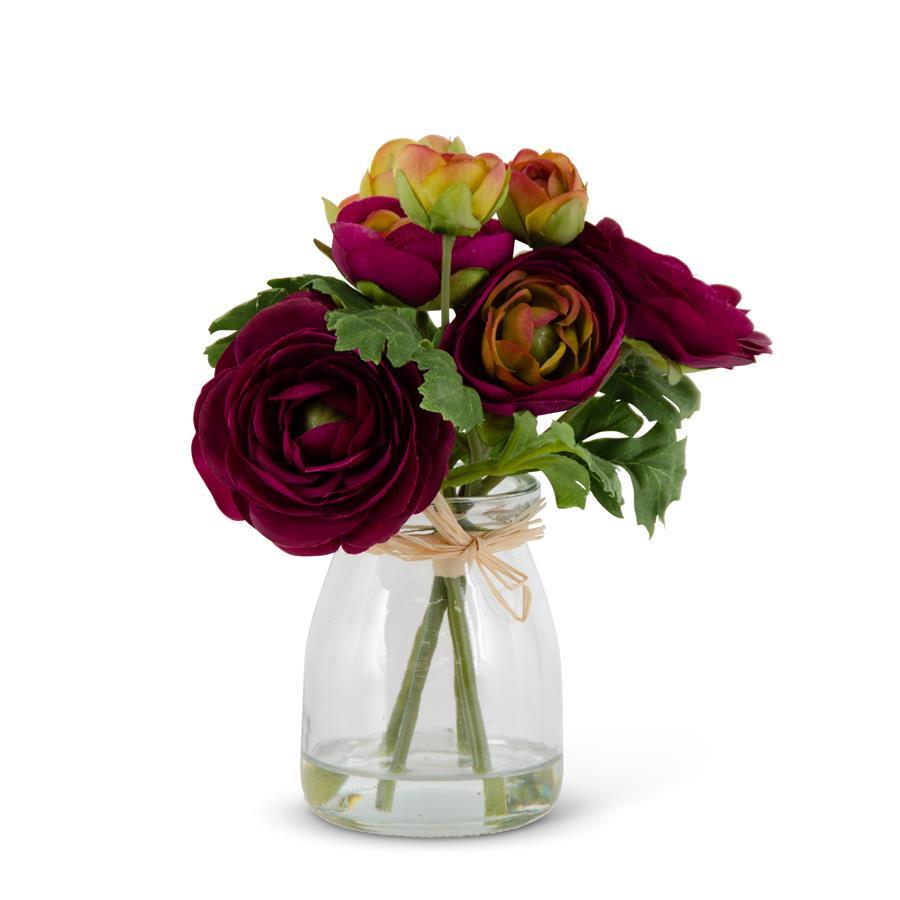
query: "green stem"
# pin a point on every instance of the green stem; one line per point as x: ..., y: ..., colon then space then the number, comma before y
x: 446, y: 260
x: 478, y: 451
x: 488, y: 484
x: 463, y: 748
x: 470, y: 472
x: 467, y: 697
x: 402, y: 724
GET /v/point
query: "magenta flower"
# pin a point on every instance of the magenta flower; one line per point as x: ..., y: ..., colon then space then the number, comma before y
x: 691, y: 322
x: 315, y: 449
x: 543, y: 335
x: 375, y: 242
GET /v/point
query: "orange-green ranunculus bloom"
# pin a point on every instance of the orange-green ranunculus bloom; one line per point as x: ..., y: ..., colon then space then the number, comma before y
x: 449, y: 193
x: 543, y: 335
x: 547, y: 199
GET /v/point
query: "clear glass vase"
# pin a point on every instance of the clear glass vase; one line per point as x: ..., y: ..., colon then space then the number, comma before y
x: 428, y: 709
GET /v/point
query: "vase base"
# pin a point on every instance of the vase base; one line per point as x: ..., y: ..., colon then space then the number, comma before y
x: 437, y: 796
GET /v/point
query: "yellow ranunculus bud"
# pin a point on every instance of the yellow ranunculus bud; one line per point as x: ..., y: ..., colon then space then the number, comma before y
x: 449, y: 193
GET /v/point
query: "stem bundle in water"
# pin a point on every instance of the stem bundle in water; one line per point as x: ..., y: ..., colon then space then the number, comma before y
x: 447, y: 596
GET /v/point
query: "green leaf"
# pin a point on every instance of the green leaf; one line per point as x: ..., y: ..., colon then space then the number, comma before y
x: 611, y: 502
x: 522, y: 438
x: 637, y: 382
x: 343, y: 294
x: 443, y: 391
x: 605, y: 484
x: 379, y: 331
x: 375, y: 331
x: 238, y: 316
x: 603, y: 477
x: 655, y: 464
x: 215, y: 350
x: 601, y: 414
x: 569, y: 467
x: 569, y: 479
x: 528, y: 451
x: 654, y: 461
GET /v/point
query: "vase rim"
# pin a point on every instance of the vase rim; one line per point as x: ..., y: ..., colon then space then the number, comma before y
x: 519, y: 488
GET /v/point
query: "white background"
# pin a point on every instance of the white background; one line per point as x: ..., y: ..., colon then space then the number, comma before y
x: 731, y: 687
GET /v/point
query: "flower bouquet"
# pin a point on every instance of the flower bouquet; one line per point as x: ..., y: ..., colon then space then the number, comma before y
x: 390, y: 418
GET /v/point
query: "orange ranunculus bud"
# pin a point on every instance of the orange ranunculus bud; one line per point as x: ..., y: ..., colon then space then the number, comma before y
x: 449, y: 193
x: 547, y: 199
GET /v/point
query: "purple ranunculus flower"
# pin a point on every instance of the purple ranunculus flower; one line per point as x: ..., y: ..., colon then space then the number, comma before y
x: 542, y: 336
x: 373, y: 241
x: 316, y: 449
x: 693, y: 323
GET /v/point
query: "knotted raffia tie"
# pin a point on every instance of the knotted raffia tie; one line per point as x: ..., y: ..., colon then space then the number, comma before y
x: 450, y: 547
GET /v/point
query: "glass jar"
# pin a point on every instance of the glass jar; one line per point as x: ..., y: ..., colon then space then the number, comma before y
x: 428, y: 709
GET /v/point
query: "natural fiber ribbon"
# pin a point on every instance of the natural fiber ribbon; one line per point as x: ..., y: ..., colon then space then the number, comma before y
x: 450, y: 547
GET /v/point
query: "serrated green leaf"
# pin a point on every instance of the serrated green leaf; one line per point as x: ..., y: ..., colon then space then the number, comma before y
x: 343, y: 294
x: 637, y: 382
x: 379, y: 331
x: 376, y: 331
x: 443, y: 391
x: 238, y: 316
x: 655, y: 464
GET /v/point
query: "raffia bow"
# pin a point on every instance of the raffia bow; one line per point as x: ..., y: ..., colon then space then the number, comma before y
x: 450, y: 547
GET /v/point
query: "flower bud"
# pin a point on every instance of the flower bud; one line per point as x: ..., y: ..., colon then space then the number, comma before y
x: 449, y: 193
x: 547, y: 199
x: 379, y: 179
